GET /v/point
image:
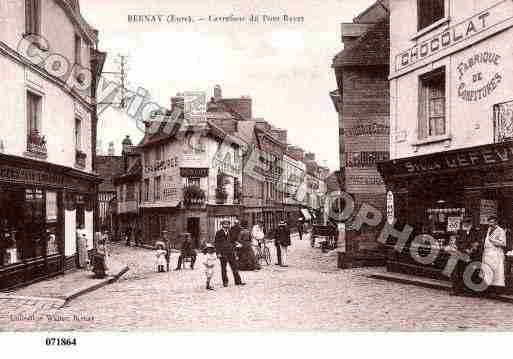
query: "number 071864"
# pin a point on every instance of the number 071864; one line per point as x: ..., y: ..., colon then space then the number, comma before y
x: 61, y: 341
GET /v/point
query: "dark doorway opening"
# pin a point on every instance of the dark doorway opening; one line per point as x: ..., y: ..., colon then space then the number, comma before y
x: 193, y: 227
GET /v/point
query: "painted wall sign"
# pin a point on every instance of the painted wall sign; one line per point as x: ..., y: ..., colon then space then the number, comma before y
x: 365, y: 158
x: 455, y: 35
x: 478, y: 76
x: 365, y: 180
x: 374, y: 129
x: 162, y: 165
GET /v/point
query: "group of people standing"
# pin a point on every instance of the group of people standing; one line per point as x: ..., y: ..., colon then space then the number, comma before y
x: 485, y: 252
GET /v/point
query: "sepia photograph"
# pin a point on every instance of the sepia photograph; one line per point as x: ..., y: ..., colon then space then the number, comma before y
x: 235, y: 166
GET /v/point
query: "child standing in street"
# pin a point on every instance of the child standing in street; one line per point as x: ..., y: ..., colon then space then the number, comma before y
x: 209, y: 263
x: 161, y: 256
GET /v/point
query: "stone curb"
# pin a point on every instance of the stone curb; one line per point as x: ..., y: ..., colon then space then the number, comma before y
x: 91, y: 287
x: 430, y: 283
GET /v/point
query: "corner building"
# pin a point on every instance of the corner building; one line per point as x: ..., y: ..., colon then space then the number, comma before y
x: 451, y: 88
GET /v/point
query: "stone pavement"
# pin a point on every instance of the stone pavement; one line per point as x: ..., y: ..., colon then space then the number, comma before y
x: 311, y: 294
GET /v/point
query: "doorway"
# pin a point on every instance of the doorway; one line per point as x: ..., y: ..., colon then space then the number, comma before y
x: 193, y: 227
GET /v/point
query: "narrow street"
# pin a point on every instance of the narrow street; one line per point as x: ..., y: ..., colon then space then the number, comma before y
x: 311, y: 294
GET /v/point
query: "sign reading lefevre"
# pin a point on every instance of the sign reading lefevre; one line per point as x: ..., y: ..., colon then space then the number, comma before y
x: 456, y: 34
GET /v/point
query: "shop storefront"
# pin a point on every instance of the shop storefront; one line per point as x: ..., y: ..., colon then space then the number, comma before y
x: 41, y: 206
x: 432, y: 193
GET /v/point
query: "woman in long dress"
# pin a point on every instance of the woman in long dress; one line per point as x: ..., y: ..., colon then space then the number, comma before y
x: 493, y: 255
x: 247, y: 259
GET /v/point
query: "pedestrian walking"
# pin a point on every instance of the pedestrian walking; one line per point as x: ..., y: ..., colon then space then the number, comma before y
x: 103, y: 247
x: 161, y: 254
x: 209, y: 263
x: 247, y: 259
x: 225, y: 250
x: 300, y: 228
x: 283, y: 242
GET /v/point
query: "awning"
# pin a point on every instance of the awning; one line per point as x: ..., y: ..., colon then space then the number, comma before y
x: 306, y: 214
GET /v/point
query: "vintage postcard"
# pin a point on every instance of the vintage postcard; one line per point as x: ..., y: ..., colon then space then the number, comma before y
x: 234, y: 166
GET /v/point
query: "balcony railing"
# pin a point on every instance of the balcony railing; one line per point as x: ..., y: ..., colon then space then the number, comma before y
x: 36, y: 143
x: 80, y: 158
x: 193, y: 196
x: 503, y: 122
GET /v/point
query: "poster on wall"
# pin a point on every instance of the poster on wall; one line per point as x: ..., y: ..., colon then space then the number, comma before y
x: 488, y: 207
x: 453, y: 224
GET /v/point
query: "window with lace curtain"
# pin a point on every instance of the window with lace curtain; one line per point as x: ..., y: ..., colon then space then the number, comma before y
x: 432, y: 106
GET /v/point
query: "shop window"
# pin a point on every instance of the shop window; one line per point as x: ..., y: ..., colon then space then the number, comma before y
x: 429, y: 12
x: 157, y: 188
x: 147, y: 189
x: 33, y: 17
x: 432, y: 104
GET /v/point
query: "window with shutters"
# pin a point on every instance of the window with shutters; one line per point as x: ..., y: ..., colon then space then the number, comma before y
x: 429, y: 12
x: 432, y: 106
x: 33, y: 17
x: 33, y: 113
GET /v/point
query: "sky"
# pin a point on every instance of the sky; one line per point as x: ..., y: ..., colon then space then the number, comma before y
x: 284, y: 67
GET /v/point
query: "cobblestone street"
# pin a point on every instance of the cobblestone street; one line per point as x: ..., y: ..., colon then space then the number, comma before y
x: 311, y: 294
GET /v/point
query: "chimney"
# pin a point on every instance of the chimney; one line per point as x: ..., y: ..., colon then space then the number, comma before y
x: 218, y: 93
x: 309, y: 156
x: 111, y: 150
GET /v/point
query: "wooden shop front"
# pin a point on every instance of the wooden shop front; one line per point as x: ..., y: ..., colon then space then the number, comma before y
x: 34, y: 232
x: 432, y: 193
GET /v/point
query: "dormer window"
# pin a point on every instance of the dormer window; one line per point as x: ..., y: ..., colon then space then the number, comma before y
x: 429, y: 12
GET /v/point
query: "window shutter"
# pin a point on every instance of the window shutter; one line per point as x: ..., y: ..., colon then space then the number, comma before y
x: 422, y: 120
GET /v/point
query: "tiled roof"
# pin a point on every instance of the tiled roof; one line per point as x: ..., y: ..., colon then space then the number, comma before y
x: 372, y: 48
x: 108, y: 167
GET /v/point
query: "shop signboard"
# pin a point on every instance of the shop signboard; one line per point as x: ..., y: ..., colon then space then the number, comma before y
x: 488, y: 207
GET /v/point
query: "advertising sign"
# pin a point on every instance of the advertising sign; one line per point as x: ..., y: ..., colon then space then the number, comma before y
x: 390, y: 207
x: 488, y: 208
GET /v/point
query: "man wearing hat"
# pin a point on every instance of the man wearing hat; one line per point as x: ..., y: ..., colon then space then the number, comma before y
x: 468, y: 243
x: 282, y: 242
x: 225, y: 250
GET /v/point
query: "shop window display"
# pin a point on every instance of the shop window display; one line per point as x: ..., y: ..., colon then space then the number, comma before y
x: 28, y: 225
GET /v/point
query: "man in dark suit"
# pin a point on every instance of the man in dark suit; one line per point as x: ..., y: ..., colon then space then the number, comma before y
x: 225, y: 250
x: 468, y: 242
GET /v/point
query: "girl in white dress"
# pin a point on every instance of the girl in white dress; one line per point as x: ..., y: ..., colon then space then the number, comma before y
x: 161, y: 256
x: 209, y: 263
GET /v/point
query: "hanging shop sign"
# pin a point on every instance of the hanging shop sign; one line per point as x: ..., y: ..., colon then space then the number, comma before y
x: 390, y: 207
x: 478, y: 76
x: 455, y: 35
x: 193, y: 172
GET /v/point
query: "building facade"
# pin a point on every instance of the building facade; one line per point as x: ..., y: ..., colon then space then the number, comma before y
x: 48, y: 186
x: 191, y: 182
x: 362, y: 101
x: 451, y: 112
